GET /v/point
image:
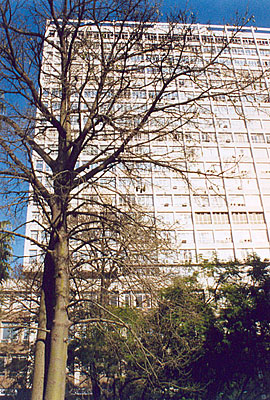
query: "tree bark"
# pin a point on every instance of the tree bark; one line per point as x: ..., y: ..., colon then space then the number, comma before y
x: 39, y: 365
x: 95, y: 382
x: 55, y: 385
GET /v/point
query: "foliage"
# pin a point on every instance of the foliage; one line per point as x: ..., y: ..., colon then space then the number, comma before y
x: 198, y: 343
x: 148, y: 356
x: 236, y: 355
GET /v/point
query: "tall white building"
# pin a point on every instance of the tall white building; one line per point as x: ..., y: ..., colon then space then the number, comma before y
x: 220, y: 202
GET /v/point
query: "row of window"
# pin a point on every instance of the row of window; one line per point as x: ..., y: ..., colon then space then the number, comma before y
x: 237, y: 138
x: 163, y: 201
x: 223, y: 218
x: 215, y: 236
x: 143, y: 94
x: 129, y: 299
x: 210, y: 153
x: 220, y: 239
x: 176, y: 35
x: 240, y: 236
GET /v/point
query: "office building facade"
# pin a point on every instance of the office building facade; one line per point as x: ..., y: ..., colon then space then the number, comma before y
x: 213, y: 129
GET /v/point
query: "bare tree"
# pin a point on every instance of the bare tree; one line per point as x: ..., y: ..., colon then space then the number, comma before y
x: 115, y: 254
x: 88, y: 88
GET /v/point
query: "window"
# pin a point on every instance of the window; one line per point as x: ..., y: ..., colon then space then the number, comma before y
x: 126, y: 299
x: 139, y: 94
x: 243, y: 153
x: 237, y: 50
x: 246, y: 170
x: 9, y: 332
x: 84, y: 121
x: 45, y: 237
x: 261, y: 153
x: 164, y: 201
x: 263, y: 170
x: 187, y: 255
x: 162, y: 150
x: 255, y: 124
x: 17, y: 365
x: 225, y: 255
x: 181, y: 201
x: 257, y: 138
x: 223, y: 123
x: 114, y: 299
x: 74, y: 120
x: 256, y: 218
x: 210, y: 153
x: 34, y: 235
x: 253, y: 63
x: 183, y: 219
x: 259, y: 236
x: 107, y: 183
x: 203, y: 218
x: 184, y: 237
x: 163, y: 185
x: 90, y: 93
x: 220, y: 218
x: 225, y: 137
x: 240, y: 61
x: 25, y: 335
x: 39, y: 165
x: 239, y: 218
x: 201, y: 201
x: 199, y: 185
x: 170, y: 95
x: 166, y: 218
x: 217, y: 201
x: 205, y: 237
x: 205, y: 137
x: 32, y: 255
x: 2, y: 366
x: 145, y: 200
x: 35, y: 216
x: 253, y: 201
x: 241, y: 137
x: 56, y: 93
x: 252, y: 52
x: 216, y: 185
x: 142, y: 300
x: 237, y: 201
x: 221, y: 110
x: 168, y: 235
x: 47, y: 168
x: 56, y: 105
x: 227, y: 153
x: 127, y: 199
x: 242, y: 236
x: 223, y: 236
x: 238, y: 125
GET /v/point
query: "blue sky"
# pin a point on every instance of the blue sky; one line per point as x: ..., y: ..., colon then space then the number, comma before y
x: 224, y: 11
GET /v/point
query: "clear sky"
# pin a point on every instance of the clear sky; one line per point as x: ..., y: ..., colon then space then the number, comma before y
x: 224, y: 11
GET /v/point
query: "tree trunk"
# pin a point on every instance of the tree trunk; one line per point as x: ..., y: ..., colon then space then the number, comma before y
x: 95, y: 382
x: 39, y: 365
x: 56, y: 376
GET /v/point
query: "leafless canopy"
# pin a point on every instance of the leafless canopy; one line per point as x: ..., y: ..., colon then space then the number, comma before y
x: 89, y: 90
